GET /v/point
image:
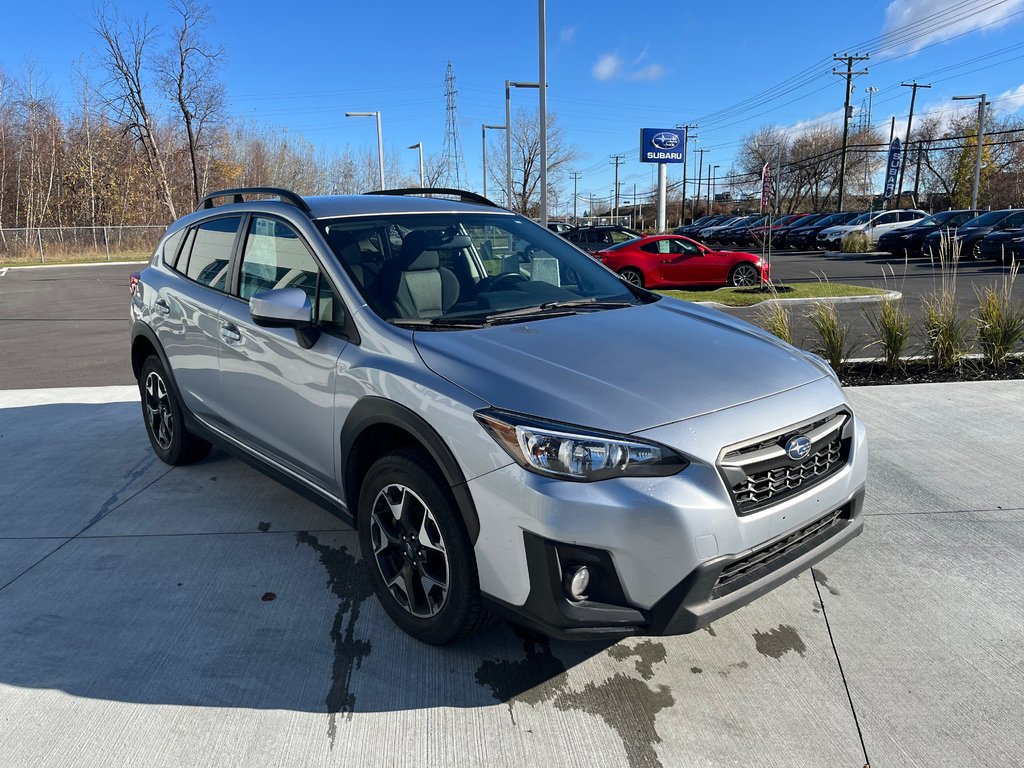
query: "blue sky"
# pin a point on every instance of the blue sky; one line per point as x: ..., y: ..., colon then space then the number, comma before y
x: 612, y: 68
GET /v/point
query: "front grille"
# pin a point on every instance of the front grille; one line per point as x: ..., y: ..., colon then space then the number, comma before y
x: 761, y: 562
x: 759, y: 473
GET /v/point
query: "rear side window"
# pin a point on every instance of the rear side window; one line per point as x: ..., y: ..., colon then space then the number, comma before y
x: 210, y: 256
x: 910, y: 216
x: 171, y: 244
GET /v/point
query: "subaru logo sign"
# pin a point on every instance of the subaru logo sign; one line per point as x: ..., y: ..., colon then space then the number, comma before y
x: 665, y: 140
x: 798, y: 447
x: 662, y: 145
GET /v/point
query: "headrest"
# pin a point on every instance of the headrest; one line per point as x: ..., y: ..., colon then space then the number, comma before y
x: 426, y: 260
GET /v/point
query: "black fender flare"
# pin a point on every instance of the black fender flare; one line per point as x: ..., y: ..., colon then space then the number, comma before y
x: 373, y: 411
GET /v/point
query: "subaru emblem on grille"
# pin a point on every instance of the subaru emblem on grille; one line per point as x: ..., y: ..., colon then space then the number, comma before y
x: 798, y: 447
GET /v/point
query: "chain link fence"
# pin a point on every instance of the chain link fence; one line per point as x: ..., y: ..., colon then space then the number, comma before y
x: 60, y: 245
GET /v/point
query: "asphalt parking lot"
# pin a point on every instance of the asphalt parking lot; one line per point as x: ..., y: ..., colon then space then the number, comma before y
x: 207, y: 616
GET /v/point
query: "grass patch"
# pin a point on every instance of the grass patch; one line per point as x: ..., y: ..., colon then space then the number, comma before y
x: 30, y: 260
x: 748, y: 297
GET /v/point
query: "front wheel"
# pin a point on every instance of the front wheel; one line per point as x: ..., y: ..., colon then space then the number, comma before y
x: 417, y: 549
x: 632, y: 276
x: 744, y: 275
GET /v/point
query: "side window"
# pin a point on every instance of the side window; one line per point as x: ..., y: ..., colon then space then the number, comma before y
x: 909, y: 216
x: 886, y: 218
x: 620, y: 237
x: 651, y: 247
x: 181, y: 260
x: 275, y: 257
x: 211, y: 252
x: 170, y: 250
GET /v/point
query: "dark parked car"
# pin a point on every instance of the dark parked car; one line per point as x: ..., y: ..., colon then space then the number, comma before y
x: 691, y: 230
x: 559, y: 227
x: 738, y: 230
x: 970, y: 234
x: 806, y: 237
x: 758, y: 236
x: 909, y: 241
x: 1006, y: 242
x: 780, y: 238
x: 592, y: 239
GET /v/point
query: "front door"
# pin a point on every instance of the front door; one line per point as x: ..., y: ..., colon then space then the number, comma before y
x: 279, y: 396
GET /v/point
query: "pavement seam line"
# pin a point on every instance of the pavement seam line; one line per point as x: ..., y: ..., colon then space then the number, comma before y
x: 195, y: 533
x: 842, y: 674
x: 944, y: 512
x: 90, y: 525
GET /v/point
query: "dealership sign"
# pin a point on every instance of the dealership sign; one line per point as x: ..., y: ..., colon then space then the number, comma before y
x: 662, y: 145
x: 892, y: 168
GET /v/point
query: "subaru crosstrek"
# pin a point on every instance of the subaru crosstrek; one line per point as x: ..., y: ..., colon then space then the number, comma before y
x: 512, y: 429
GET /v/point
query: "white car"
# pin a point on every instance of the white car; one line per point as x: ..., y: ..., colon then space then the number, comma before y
x: 874, y: 223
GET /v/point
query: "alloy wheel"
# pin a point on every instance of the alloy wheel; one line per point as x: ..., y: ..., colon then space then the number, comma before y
x: 410, y: 550
x: 633, y: 277
x: 158, y: 410
x: 744, y: 275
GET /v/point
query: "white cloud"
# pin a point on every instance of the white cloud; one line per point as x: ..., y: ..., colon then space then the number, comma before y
x: 650, y: 72
x: 900, y: 13
x: 567, y: 35
x: 1012, y: 100
x: 609, y: 65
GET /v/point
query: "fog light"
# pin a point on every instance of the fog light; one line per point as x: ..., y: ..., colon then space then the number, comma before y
x: 577, y: 581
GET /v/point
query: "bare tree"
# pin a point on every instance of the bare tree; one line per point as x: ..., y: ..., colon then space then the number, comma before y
x: 526, y: 160
x: 126, y: 51
x: 188, y: 76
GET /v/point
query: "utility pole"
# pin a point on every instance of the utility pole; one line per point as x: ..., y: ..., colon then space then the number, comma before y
x: 576, y: 176
x: 616, y: 160
x: 849, y: 74
x: 700, y: 167
x: 686, y: 143
x: 543, y: 80
x: 906, y: 141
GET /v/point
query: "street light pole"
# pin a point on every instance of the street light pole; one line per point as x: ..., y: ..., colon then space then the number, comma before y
x: 483, y: 142
x: 380, y: 142
x: 981, y: 141
x: 509, y: 85
x: 543, y: 80
x: 419, y: 145
x: 686, y: 144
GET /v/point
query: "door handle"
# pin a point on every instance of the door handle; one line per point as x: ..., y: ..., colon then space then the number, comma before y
x: 229, y: 332
x: 162, y: 307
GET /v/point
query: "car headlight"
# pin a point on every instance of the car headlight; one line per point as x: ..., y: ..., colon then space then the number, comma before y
x: 574, y: 453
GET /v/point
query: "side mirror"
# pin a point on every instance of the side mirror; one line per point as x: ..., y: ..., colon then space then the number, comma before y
x: 285, y: 308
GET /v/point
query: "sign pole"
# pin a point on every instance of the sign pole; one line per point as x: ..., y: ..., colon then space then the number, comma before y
x: 662, y: 190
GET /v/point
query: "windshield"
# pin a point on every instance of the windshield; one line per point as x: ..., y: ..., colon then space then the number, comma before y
x: 425, y: 269
x: 987, y: 219
x: 937, y: 218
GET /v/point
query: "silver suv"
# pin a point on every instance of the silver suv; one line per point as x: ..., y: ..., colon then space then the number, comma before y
x: 512, y: 429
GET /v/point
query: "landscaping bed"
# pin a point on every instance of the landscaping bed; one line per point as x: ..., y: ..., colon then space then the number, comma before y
x: 867, y: 374
x: 748, y: 297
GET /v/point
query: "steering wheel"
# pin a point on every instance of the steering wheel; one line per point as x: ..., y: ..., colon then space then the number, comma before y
x: 496, y: 281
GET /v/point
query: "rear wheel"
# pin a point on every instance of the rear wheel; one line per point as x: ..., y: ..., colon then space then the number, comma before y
x: 744, y: 274
x: 417, y: 549
x: 632, y: 276
x: 165, y: 425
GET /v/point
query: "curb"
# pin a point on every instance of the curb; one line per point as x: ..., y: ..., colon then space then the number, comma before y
x: 830, y: 299
x: 75, y: 264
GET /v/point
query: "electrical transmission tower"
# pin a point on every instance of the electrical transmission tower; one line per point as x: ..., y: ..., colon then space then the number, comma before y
x: 454, y: 161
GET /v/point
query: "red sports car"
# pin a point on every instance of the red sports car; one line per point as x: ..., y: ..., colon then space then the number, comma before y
x: 664, y: 261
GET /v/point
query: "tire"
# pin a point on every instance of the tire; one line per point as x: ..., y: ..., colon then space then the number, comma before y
x: 632, y: 276
x: 163, y: 416
x: 744, y: 275
x: 421, y: 565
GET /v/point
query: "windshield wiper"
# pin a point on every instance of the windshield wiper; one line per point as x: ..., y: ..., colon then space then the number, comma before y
x: 438, y: 322
x: 590, y: 303
x: 552, y: 309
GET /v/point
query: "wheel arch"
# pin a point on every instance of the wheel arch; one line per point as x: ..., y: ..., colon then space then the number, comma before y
x: 144, y: 344
x: 375, y: 426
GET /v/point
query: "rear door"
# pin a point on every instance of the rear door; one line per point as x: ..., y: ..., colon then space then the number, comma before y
x: 278, y: 396
x: 187, y: 319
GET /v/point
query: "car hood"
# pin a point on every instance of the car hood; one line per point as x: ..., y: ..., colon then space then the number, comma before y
x: 840, y: 228
x: 623, y: 370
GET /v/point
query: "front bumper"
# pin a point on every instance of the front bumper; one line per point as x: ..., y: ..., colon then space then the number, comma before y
x: 715, y: 588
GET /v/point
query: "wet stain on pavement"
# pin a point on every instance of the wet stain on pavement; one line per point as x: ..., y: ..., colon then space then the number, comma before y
x: 822, y: 579
x: 264, y: 527
x: 648, y: 654
x: 349, y: 582
x: 115, y: 499
x: 738, y: 665
x: 697, y: 670
x: 627, y: 705
x: 779, y: 641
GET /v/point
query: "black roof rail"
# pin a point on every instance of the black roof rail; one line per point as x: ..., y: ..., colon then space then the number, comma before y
x: 286, y: 196
x: 463, y: 195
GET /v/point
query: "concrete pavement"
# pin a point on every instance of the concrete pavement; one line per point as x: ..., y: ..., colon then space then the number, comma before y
x: 206, y: 616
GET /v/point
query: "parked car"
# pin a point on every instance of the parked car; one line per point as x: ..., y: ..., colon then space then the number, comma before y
x: 690, y: 230
x: 735, y: 230
x: 595, y: 238
x: 806, y: 236
x: 511, y: 428
x: 909, y: 241
x: 758, y: 235
x: 1006, y: 241
x: 873, y: 223
x: 560, y: 227
x: 970, y: 234
x: 664, y: 261
x: 780, y: 237
x: 707, y: 233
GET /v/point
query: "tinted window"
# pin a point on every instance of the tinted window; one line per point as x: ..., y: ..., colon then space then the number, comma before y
x: 1013, y: 220
x: 171, y: 245
x: 886, y: 218
x: 621, y: 237
x: 988, y: 219
x: 910, y: 216
x: 211, y: 251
